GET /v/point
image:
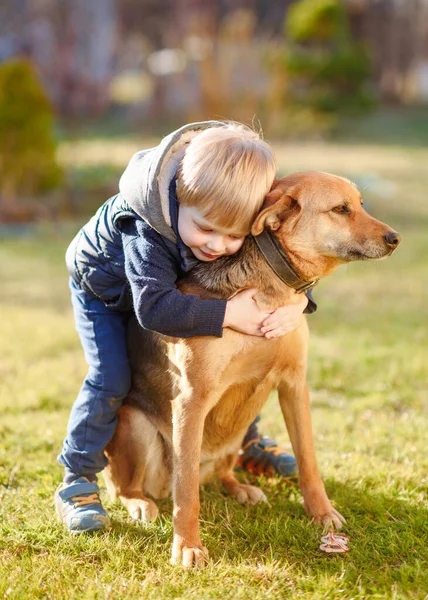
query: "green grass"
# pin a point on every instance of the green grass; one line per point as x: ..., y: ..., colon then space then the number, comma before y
x: 368, y: 376
x: 396, y: 125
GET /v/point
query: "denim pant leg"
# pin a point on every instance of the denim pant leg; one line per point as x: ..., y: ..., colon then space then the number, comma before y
x: 252, y: 432
x: 93, y: 417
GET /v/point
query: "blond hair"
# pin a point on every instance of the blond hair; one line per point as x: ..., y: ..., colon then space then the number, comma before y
x: 225, y: 173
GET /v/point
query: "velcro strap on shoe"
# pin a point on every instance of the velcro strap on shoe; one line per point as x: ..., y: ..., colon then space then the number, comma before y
x: 78, y: 489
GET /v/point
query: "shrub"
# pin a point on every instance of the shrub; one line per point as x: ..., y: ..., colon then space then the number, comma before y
x: 319, y: 72
x: 326, y: 68
x: 27, y: 147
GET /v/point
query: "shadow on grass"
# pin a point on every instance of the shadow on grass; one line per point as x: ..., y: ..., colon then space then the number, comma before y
x: 262, y: 545
x: 384, y: 529
x: 387, y: 535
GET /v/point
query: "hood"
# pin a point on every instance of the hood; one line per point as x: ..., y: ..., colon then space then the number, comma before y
x: 145, y: 182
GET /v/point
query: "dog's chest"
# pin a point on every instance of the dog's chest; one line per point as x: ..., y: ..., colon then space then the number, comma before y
x: 208, y: 454
x: 260, y: 362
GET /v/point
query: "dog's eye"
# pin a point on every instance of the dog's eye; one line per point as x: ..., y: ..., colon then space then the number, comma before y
x: 341, y: 210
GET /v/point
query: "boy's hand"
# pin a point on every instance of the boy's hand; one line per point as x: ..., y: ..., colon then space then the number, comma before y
x: 284, y: 319
x: 243, y: 314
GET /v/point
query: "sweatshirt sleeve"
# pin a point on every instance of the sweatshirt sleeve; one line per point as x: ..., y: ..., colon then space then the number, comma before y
x: 152, y: 272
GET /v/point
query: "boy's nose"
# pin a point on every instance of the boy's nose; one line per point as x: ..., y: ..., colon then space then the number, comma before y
x: 216, y: 244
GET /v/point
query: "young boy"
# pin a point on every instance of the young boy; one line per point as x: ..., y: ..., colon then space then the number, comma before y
x: 192, y: 198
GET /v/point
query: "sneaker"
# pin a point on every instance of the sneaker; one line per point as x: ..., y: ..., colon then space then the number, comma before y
x: 263, y: 456
x: 78, y: 505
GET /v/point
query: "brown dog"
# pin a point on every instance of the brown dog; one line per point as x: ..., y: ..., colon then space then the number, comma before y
x: 193, y: 399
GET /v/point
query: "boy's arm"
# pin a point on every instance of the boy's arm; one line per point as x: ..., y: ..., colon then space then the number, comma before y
x: 159, y: 306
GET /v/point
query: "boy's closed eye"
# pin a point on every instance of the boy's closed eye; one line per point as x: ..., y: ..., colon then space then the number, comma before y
x: 210, y: 230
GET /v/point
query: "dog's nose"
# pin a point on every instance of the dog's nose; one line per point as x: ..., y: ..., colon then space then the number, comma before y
x: 392, y: 238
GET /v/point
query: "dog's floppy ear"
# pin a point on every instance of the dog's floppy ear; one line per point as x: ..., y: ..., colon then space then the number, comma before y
x: 276, y: 208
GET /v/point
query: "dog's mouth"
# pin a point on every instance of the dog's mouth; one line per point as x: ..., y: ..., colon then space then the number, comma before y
x: 373, y: 253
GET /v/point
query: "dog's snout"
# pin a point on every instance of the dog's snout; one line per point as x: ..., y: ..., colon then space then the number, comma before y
x: 392, y: 238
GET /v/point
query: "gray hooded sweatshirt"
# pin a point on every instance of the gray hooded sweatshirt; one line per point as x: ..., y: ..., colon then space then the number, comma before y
x: 130, y: 252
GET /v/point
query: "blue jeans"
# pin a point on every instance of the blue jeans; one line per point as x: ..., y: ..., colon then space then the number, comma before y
x: 93, y: 417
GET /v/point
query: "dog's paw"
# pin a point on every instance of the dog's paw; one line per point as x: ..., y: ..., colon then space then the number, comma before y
x: 326, y: 515
x: 333, y: 518
x: 247, y: 494
x: 142, y: 510
x: 188, y: 555
x: 319, y: 507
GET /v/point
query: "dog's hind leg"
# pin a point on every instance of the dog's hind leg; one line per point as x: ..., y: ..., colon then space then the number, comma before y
x: 127, y: 453
x: 241, y: 492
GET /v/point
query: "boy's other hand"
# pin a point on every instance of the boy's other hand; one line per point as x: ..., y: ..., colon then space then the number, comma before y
x: 243, y: 313
x: 284, y: 319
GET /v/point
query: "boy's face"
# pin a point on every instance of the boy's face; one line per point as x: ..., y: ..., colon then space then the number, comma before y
x: 205, y: 239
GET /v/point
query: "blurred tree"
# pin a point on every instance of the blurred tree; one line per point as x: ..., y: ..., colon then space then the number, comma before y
x: 397, y: 32
x: 326, y: 71
x: 27, y: 148
x: 330, y: 67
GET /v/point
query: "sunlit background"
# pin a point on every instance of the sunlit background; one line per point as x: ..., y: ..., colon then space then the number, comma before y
x: 84, y: 84
x: 338, y: 86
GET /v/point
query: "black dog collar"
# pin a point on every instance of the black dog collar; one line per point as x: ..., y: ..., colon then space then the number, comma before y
x: 278, y: 261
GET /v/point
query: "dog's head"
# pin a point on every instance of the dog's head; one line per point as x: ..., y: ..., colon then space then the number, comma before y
x: 320, y: 221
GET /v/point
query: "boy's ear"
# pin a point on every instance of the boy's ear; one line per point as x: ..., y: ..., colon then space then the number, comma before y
x: 276, y: 208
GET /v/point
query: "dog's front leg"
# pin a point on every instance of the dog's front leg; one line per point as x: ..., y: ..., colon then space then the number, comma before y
x: 294, y: 400
x: 188, y: 417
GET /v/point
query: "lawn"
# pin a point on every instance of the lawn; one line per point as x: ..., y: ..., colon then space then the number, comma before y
x: 368, y: 375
